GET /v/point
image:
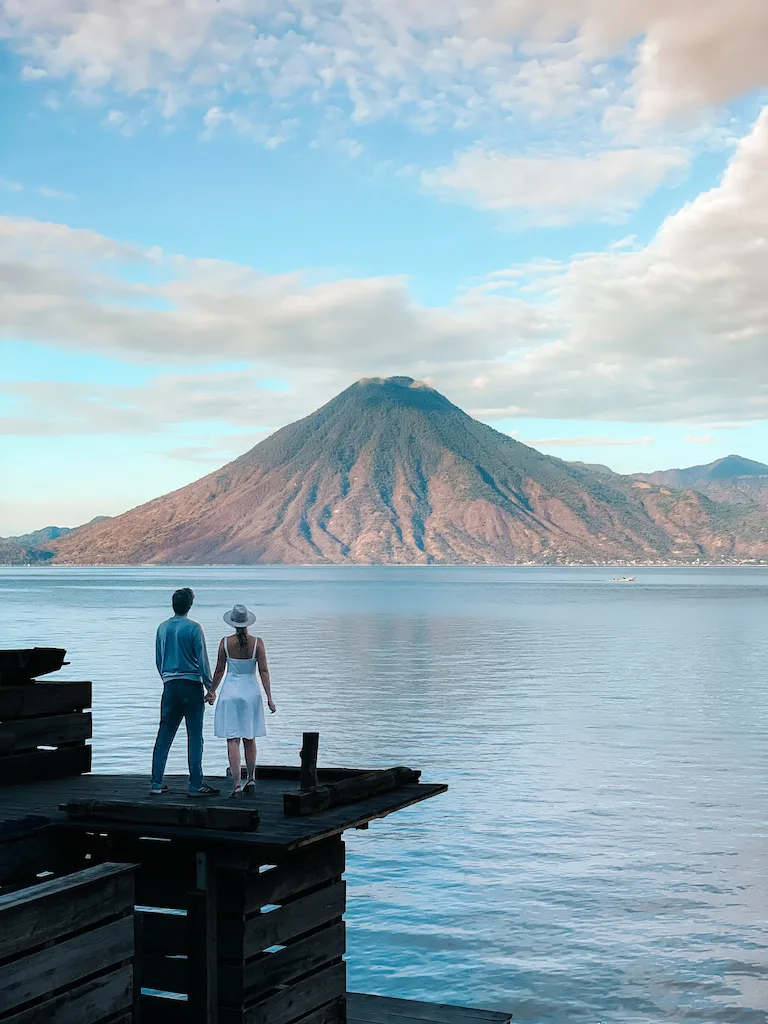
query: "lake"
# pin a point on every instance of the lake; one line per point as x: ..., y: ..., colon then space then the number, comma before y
x: 602, y: 852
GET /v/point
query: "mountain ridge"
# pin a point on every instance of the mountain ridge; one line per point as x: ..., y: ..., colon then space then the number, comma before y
x: 390, y: 471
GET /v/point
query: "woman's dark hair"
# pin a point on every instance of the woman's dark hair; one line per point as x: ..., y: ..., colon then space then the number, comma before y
x: 182, y: 600
x: 241, y: 632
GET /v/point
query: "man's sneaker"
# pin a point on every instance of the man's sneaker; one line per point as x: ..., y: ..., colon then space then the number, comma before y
x: 156, y: 789
x: 204, y: 790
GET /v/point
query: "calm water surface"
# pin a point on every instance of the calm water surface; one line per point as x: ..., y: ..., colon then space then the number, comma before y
x: 601, y: 854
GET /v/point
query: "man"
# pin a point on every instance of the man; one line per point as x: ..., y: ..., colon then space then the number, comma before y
x: 182, y: 662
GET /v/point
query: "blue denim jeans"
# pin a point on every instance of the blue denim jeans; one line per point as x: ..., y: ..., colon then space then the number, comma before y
x: 182, y: 698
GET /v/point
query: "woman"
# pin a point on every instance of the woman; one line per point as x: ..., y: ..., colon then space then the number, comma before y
x: 240, y: 710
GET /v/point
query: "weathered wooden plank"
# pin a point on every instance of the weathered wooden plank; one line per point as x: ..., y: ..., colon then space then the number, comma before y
x: 50, y: 730
x: 156, y: 1010
x: 292, y: 773
x: 368, y: 1009
x: 304, y: 870
x: 348, y: 791
x: 47, y: 698
x: 45, y: 764
x: 308, y: 777
x: 292, y: 1003
x: 333, y: 1012
x: 166, y: 973
x: 164, y: 812
x: 163, y: 933
x: 237, y: 983
x: 240, y: 941
x: 54, y: 909
x: 23, y: 664
x: 93, y: 1001
x: 36, y: 847
x: 37, y: 975
x: 163, y: 892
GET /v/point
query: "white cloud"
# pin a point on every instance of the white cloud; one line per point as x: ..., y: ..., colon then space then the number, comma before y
x: 558, y: 189
x: 702, y: 439
x: 52, y: 193
x: 11, y: 186
x: 591, y: 441
x: 675, y: 330
x: 437, y: 59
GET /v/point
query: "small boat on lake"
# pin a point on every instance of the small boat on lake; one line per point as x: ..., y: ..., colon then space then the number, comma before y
x: 624, y: 579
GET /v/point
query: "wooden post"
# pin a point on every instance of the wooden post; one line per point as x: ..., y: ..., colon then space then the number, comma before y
x: 203, y: 995
x: 309, y: 747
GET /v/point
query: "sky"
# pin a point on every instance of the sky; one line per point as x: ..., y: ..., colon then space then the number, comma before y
x: 217, y: 214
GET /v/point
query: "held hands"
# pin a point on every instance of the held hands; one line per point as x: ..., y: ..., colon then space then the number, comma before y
x: 271, y: 705
x: 210, y: 697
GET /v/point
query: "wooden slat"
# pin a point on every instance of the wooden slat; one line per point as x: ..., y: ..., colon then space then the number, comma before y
x: 51, y: 730
x: 163, y: 892
x: 156, y: 1010
x: 52, y: 910
x: 273, y: 969
x: 166, y: 973
x: 291, y: 773
x: 164, y: 933
x: 237, y: 943
x: 44, y: 764
x: 39, y: 848
x: 49, y: 698
x: 65, y: 964
x: 368, y: 1009
x: 333, y: 1012
x: 292, y: 1003
x: 348, y: 791
x: 94, y: 1001
x: 164, y: 812
x: 304, y: 870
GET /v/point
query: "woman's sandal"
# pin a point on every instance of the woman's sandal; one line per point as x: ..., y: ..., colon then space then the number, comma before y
x: 250, y: 788
x: 236, y: 793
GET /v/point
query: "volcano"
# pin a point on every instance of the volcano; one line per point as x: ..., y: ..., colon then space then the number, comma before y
x: 390, y: 471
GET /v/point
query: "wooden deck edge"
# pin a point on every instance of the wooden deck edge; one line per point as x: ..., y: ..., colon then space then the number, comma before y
x: 371, y: 1009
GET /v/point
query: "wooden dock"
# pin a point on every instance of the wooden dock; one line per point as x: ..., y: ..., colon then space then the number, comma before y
x: 117, y: 906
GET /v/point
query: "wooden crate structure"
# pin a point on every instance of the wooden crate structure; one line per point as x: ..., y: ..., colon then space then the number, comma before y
x: 43, y: 730
x: 221, y: 935
x: 281, y: 939
x: 66, y: 949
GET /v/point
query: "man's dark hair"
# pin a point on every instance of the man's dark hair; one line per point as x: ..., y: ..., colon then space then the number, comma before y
x: 182, y: 600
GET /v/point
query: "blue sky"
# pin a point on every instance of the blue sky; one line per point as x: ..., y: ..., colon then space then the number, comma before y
x: 216, y: 214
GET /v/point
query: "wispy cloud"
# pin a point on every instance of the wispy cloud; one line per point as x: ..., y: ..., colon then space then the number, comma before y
x: 701, y: 439
x: 590, y: 441
x: 558, y: 189
x: 52, y: 193
x: 11, y: 186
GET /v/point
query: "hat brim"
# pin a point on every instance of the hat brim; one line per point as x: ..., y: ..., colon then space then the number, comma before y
x: 239, y: 625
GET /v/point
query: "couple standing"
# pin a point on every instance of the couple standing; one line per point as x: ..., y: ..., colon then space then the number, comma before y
x: 182, y: 662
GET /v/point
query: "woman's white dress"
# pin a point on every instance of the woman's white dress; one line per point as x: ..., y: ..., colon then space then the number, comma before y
x: 240, y: 708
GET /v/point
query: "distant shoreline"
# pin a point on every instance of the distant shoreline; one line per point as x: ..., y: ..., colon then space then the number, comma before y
x: 389, y: 565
